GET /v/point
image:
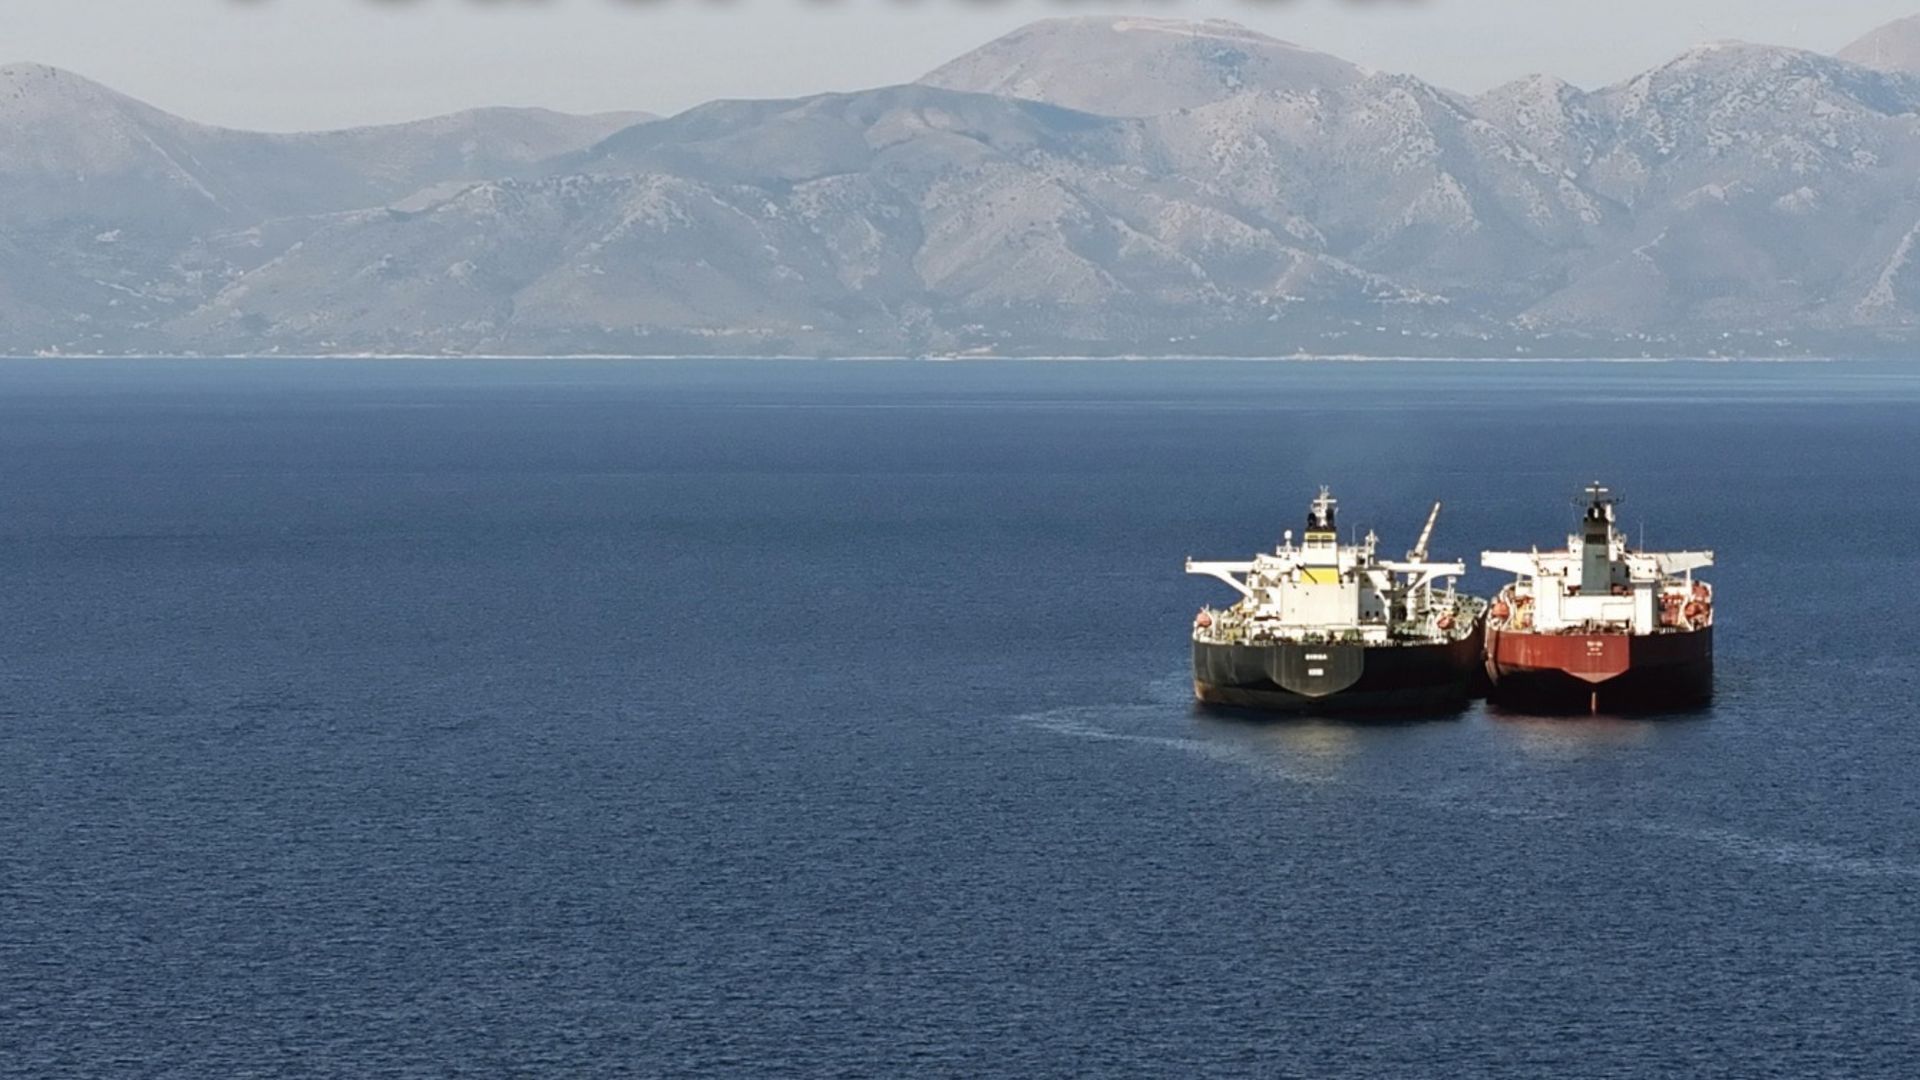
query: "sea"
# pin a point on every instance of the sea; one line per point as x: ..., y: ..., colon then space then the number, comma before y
x: 577, y: 718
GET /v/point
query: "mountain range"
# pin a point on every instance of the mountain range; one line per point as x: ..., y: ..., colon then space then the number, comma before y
x: 1082, y: 186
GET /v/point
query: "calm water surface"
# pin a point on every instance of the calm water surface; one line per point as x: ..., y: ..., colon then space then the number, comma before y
x: 750, y: 719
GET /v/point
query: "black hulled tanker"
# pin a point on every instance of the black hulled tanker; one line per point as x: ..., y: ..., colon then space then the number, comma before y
x: 1324, y: 627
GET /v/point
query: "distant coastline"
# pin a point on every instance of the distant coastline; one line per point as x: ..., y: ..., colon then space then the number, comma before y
x: 974, y: 359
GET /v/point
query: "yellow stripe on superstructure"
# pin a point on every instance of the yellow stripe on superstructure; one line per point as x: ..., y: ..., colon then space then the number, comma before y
x: 1328, y: 543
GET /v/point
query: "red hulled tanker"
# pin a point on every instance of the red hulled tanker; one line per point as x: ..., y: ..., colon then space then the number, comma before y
x: 1599, y: 626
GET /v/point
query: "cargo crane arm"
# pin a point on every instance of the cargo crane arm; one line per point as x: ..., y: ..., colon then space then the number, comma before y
x: 1225, y: 571
x: 1519, y: 563
x: 1420, y: 573
x: 1682, y: 562
x: 1419, y: 552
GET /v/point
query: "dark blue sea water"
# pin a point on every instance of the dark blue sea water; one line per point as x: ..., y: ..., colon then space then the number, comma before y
x: 799, y: 719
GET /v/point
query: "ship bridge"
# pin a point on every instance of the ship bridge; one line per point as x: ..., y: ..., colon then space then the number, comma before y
x: 1597, y: 582
x: 1322, y: 588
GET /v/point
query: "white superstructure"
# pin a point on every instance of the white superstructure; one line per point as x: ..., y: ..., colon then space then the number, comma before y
x: 1322, y: 590
x: 1598, y: 585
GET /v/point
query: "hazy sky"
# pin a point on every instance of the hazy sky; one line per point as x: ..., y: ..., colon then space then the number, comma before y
x: 289, y: 64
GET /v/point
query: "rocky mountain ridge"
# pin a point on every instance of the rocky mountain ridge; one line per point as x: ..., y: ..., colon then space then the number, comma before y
x: 1082, y: 186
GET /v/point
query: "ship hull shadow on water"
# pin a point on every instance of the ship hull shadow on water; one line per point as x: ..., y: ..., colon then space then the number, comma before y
x: 1339, y: 679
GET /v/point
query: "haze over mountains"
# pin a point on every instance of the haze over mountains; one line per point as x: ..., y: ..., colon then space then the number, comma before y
x: 1081, y: 186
